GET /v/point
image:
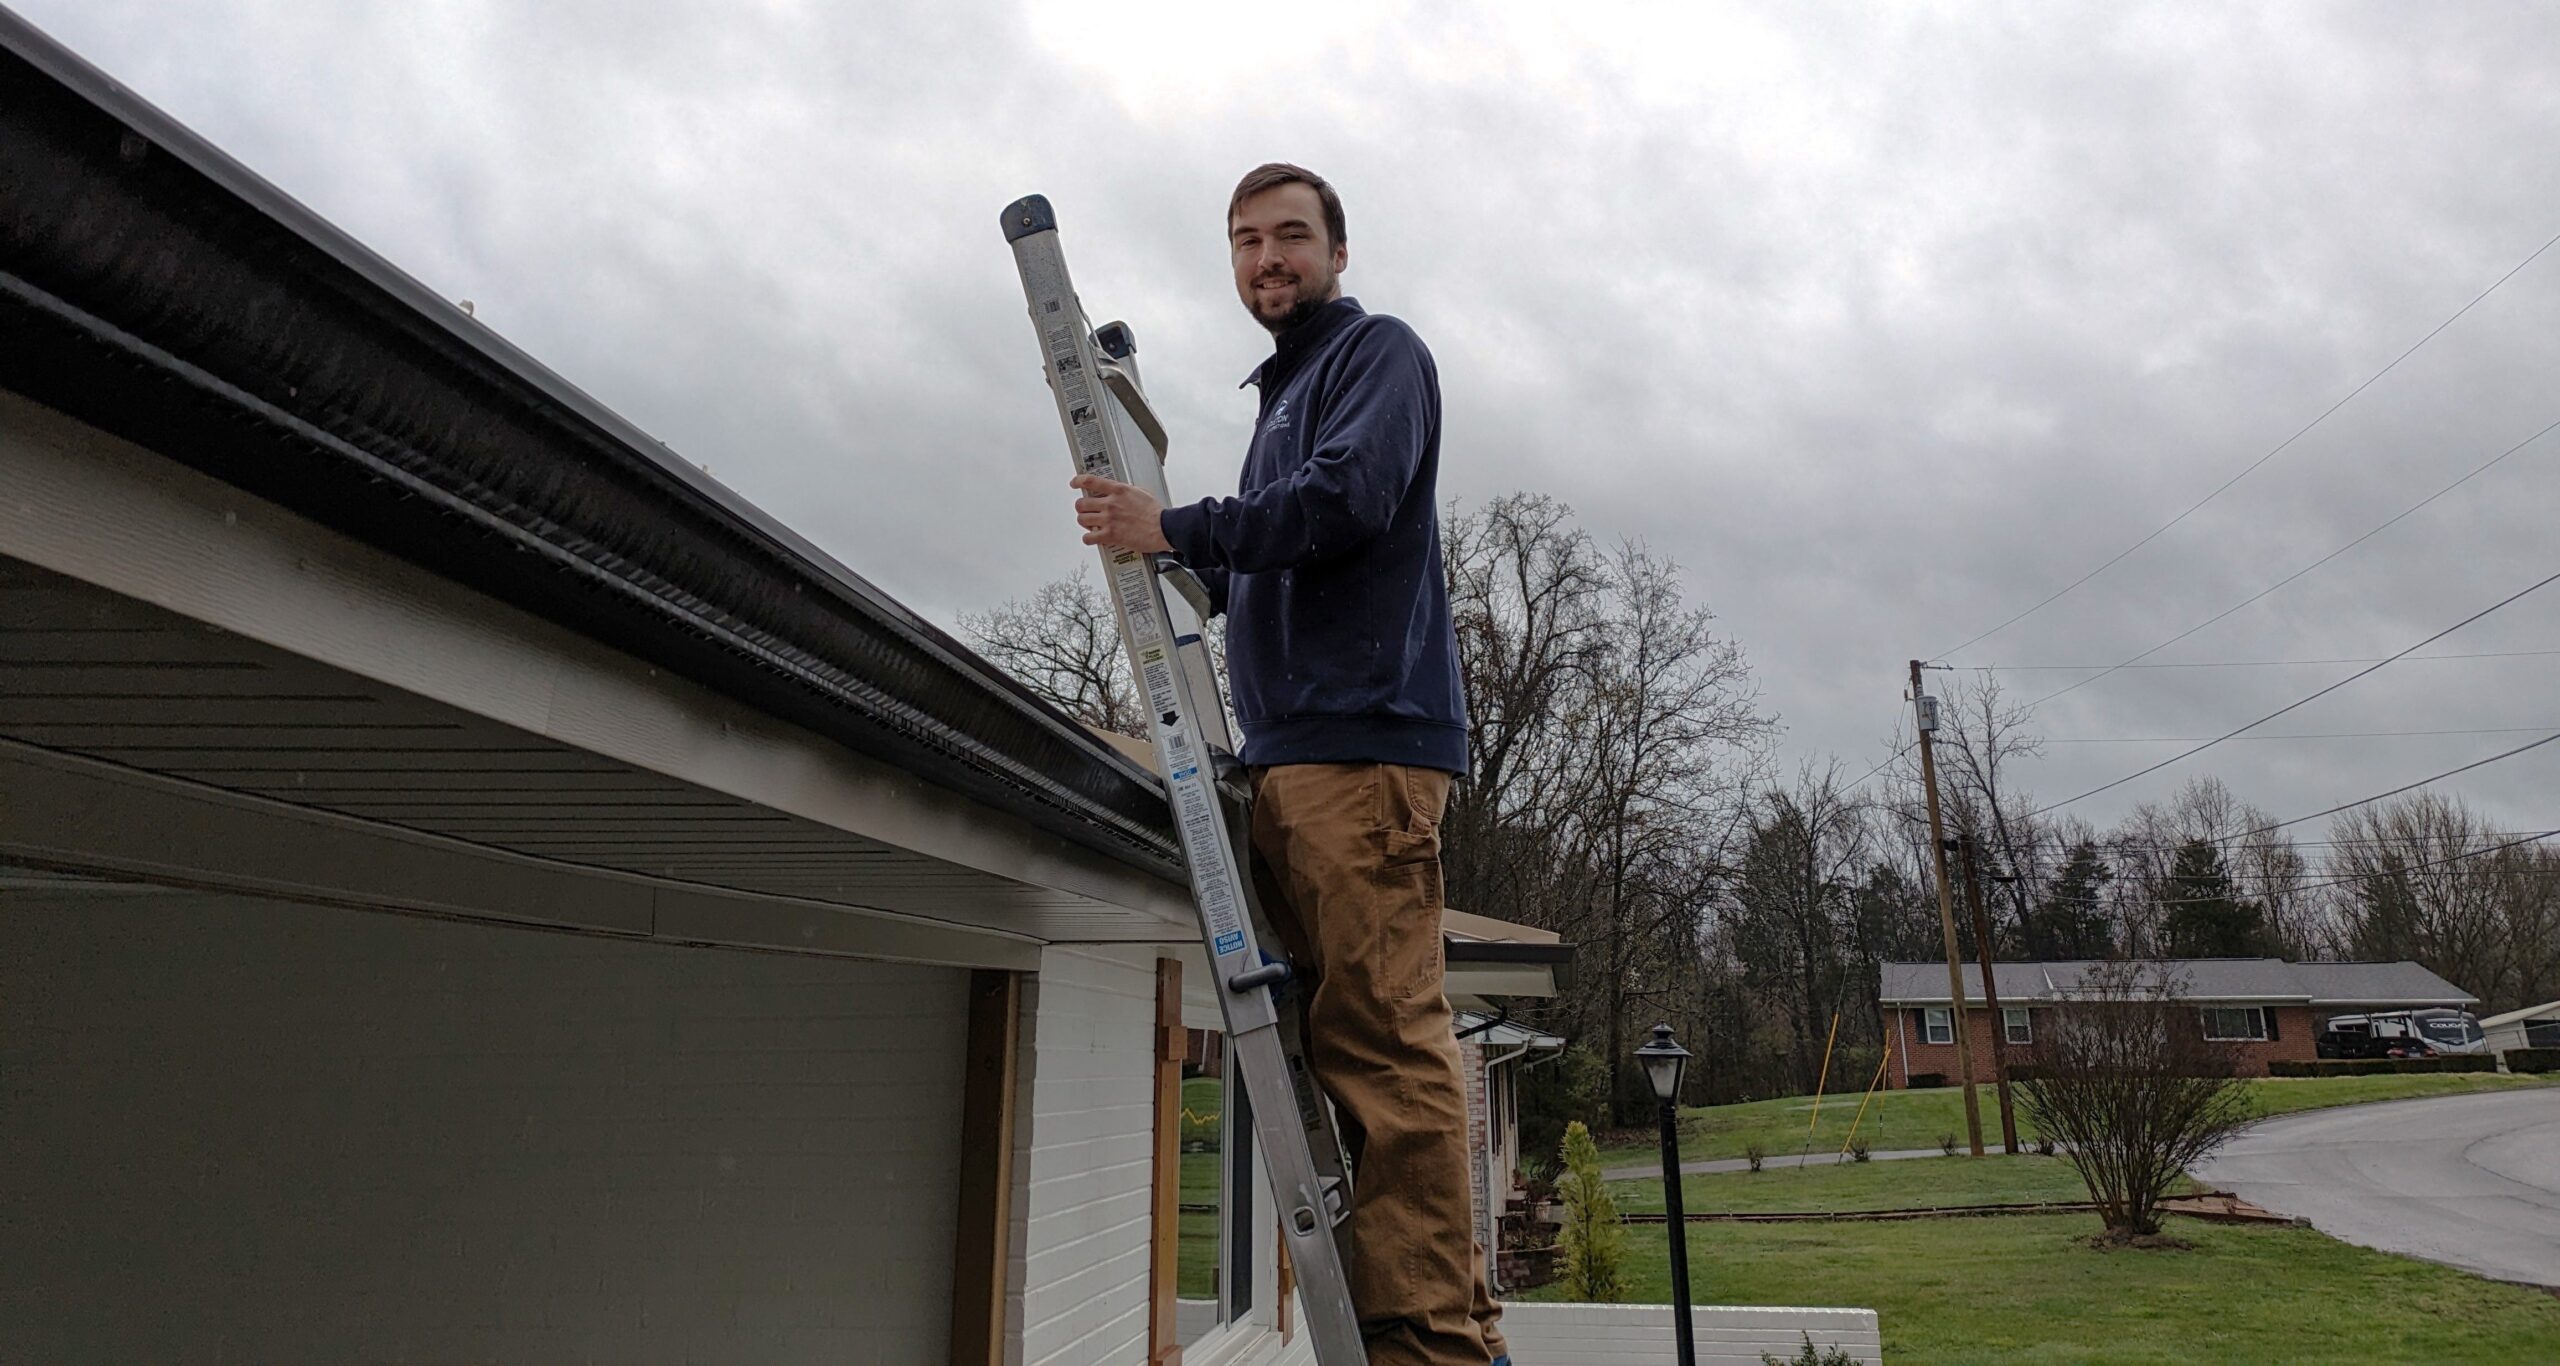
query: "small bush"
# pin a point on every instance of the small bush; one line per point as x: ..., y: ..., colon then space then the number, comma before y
x: 1594, y: 1241
x: 1538, y: 1174
x: 2023, y: 1071
x: 2044, y: 1145
x: 1928, y: 1081
x: 2132, y: 1091
x: 2374, y: 1067
x: 2533, y: 1059
x: 1834, y: 1355
x: 1947, y: 1144
x: 1860, y: 1150
x: 1754, y: 1154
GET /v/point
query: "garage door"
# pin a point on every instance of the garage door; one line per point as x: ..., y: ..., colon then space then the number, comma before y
x: 252, y: 1131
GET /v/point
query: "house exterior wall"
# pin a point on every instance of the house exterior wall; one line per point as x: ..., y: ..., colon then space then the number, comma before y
x: 1084, y: 1172
x: 2296, y: 1028
x: 1083, y: 1160
x: 243, y: 1129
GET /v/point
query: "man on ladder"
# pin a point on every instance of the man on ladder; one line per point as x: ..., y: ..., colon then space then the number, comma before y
x: 1344, y: 672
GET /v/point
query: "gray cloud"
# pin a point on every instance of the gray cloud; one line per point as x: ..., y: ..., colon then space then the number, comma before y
x: 1883, y: 325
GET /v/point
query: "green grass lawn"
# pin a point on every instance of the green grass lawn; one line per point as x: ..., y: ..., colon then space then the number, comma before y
x: 1195, y: 1264
x: 1917, y: 1183
x: 1916, y: 1119
x: 2029, y: 1288
x: 1195, y: 1252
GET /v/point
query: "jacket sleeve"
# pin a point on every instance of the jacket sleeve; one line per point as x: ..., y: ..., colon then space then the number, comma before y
x: 1376, y: 416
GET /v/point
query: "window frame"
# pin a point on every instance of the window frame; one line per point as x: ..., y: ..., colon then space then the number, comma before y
x: 1236, y: 1249
x: 1935, y: 1018
x: 2017, y: 1026
x: 2205, y: 1022
x: 1246, y: 1324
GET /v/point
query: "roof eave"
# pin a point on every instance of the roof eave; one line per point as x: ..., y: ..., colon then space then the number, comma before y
x: 155, y: 288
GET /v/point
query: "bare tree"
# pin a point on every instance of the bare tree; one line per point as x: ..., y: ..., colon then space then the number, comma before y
x: 2265, y: 867
x: 2125, y: 1080
x: 1064, y: 643
x: 1797, y: 904
x: 1669, y: 733
x: 1527, y: 594
x: 1981, y: 738
x: 2429, y: 881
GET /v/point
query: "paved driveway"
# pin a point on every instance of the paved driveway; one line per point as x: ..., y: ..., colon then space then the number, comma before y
x: 2470, y: 1181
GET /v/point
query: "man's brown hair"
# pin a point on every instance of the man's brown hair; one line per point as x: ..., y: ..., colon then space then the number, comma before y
x: 1271, y: 175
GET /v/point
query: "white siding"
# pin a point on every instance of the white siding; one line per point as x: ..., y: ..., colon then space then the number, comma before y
x: 247, y: 1130
x: 1083, y: 1160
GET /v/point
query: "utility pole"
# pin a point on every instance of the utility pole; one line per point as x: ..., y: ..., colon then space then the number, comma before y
x: 1990, y: 992
x: 1924, y: 710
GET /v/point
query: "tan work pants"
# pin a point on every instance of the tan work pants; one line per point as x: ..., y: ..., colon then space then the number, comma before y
x: 1349, y: 876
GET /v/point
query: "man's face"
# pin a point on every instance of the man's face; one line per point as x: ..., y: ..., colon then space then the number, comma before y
x: 1286, y: 268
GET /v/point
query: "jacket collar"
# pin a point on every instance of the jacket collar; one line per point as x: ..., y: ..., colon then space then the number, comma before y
x: 1293, y: 346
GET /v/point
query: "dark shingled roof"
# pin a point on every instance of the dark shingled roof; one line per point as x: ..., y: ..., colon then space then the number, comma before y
x: 2262, y: 980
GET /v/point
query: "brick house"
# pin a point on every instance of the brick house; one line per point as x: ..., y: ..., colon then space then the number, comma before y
x: 2268, y: 1009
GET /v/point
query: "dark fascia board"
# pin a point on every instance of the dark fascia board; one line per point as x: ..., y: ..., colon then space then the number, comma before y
x: 154, y: 287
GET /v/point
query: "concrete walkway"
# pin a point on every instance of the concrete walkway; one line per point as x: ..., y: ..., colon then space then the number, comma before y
x: 2471, y: 1181
x: 1737, y: 1164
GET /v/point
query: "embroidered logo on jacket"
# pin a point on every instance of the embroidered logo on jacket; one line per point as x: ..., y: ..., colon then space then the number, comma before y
x: 1279, y: 419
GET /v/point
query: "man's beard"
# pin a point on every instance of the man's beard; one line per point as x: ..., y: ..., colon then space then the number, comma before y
x: 1312, y: 296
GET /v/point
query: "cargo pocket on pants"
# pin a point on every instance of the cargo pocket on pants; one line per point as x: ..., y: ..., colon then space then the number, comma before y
x: 1410, y: 803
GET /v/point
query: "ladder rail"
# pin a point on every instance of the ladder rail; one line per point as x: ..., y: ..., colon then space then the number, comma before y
x: 1107, y: 424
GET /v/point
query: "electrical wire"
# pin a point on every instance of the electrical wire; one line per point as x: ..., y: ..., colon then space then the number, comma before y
x: 2346, y: 881
x: 2387, y: 524
x: 1862, y: 778
x: 2302, y: 701
x: 2251, y: 663
x: 2253, y: 465
x: 2408, y: 787
x: 2303, y: 735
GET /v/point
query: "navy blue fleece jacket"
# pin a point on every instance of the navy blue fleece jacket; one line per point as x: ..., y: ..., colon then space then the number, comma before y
x: 1327, y: 563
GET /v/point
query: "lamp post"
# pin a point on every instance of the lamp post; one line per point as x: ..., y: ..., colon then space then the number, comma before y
x: 1664, y: 1061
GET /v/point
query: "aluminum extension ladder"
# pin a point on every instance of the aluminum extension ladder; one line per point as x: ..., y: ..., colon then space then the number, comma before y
x: 1093, y: 373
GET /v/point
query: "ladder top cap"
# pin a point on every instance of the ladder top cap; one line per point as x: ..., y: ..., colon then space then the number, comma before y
x: 1028, y: 215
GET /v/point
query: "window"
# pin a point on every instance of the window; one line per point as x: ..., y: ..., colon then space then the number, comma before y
x: 2235, y: 1024
x: 1200, y: 1214
x: 1937, y: 1025
x: 1214, y: 1213
x: 2013, y: 1019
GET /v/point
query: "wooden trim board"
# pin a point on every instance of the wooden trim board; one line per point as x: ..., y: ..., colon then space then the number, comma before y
x: 1164, y: 1346
x: 983, y: 1248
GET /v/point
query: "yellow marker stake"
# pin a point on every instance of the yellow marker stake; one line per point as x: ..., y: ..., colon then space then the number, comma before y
x: 1881, y: 1064
x: 1824, y: 1079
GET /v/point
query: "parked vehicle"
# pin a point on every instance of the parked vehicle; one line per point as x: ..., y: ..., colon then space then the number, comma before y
x: 2401, y: 1034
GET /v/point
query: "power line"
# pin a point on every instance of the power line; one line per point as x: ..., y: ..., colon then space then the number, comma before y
x: 2407, y: 787
x: 2302, y: 735
x: 1862, y: 778
x: 2348, y: 880
x: 2251, y: 663
x: 2278, y: 449
x: 2387, y: 524
x: 2272, y: 827
x: 2224, y: 842
x: 2303, y: 701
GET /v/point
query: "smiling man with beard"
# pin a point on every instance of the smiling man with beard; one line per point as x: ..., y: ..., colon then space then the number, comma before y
x: 1344, y: 672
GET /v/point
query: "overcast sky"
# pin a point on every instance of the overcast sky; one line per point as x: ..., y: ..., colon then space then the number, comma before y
x: 1885, y: 325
